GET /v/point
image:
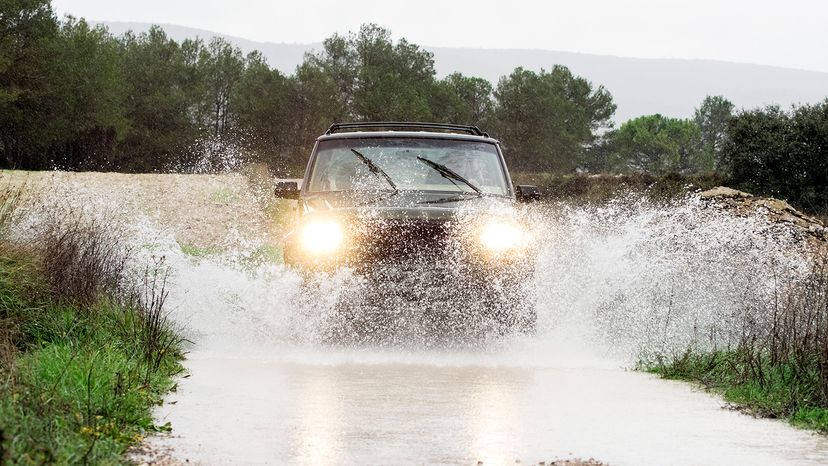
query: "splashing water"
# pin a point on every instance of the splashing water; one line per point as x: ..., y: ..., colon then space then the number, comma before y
x: 613, y: 284
x: 626, y: 280
x: 629, y: 278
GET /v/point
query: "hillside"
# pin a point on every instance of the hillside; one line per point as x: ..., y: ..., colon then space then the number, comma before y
x: 672, y: 87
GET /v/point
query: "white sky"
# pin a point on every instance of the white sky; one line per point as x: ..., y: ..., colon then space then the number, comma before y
x: 791, y: 33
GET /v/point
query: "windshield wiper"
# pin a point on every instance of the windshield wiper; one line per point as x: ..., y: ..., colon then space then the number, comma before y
x: 464, y: 196
x: 450, y: 175
x: 373, y: 168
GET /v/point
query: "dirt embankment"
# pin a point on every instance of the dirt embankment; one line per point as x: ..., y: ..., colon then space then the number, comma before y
x: 776, y: 211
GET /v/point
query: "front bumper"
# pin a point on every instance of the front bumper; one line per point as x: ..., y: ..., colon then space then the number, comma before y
x: 409, y: 245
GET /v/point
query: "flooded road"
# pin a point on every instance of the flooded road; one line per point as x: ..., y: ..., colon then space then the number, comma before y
x: 367, y: 407
x: 612, y: 287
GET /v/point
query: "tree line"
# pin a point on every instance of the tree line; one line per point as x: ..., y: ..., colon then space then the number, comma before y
x: 78, y: 98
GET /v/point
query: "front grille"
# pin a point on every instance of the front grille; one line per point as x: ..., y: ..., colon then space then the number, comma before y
x: 402, y: 239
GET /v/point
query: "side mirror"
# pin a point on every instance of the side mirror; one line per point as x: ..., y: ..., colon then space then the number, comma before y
x: 287, y: 189
x: 527, y: 193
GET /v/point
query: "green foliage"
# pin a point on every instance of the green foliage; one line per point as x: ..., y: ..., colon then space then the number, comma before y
x: 161, y: 87
x: 377, y: 79
x: 80, y: 386
x: 464, y: 100
x: 656, y: 144
x: 782, y: 154
x: 784, y: 389
x: 265, y: 108
x: 711, y: 118
x: 547, y: 120
x: 91, y: 93
x: 221, y: 66
x: 28, y: 43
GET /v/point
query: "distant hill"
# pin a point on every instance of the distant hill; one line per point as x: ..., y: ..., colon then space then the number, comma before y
x: 672, y: 87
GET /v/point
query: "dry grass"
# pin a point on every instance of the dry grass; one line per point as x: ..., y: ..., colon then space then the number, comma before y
x: 83, y: 260
x: 10, y: 197
x: 157, y: 340
x: 795, y: 335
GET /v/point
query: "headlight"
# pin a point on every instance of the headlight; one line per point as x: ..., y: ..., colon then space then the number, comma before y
x: 501, y: 236
x: 322, y: 237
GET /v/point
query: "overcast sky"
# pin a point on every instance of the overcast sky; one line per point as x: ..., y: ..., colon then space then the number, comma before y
x: 789, y: 33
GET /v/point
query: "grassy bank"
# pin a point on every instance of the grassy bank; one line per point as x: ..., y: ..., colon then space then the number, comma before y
x: 763, y: 387
x: 777, y: 364
x: 84, y: 354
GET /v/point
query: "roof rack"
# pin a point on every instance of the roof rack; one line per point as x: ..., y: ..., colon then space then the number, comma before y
x: 473, y: 130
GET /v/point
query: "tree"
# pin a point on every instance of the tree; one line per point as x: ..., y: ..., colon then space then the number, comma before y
x: 376, y: 79
x: 91, y: 91
x: 655, y: 144
x: 221, y: 67
x: 711, y: 118
x: 463, y: 99
x: 773, y: 153
x: 61, y: 91
x: 548, y: 120
x: 264, y: 111
x: 162, y: 94
x: 28, y: 35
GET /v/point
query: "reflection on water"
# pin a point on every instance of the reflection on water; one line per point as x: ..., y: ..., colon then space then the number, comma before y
x: 354, y: 412
x: 368, y: 407
x: 318, y: 415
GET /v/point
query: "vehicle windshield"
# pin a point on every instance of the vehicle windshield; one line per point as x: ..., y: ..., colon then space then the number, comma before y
x: 337, y: 168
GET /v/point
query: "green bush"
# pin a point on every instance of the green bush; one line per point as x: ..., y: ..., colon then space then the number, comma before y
x: 82, y: 385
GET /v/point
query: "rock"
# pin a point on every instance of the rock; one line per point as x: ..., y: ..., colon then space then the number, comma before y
x: 775, y: 211
x: 723, y: 191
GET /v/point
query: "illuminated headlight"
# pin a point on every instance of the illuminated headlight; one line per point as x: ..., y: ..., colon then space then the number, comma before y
x: 322, y: 237
x: 501, y: 236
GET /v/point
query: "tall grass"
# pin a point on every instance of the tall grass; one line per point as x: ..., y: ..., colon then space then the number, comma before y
x: 85, y: 349
x: 778, y: 365
x: 83, y: 260
x: 10, y: 197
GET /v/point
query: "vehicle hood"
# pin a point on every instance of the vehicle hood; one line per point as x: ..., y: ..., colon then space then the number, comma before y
x: 404, y: 206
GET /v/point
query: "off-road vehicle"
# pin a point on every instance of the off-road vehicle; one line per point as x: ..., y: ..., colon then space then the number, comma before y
x: 421, y: 210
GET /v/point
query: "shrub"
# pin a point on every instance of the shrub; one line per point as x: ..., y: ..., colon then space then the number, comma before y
x: 83, y: 261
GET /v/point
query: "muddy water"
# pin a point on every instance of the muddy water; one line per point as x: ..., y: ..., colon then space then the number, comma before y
x: 614, y: 284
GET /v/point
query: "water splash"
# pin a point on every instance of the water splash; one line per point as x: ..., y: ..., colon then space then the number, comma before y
x: 628, y: 279
x: 643, y: 279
